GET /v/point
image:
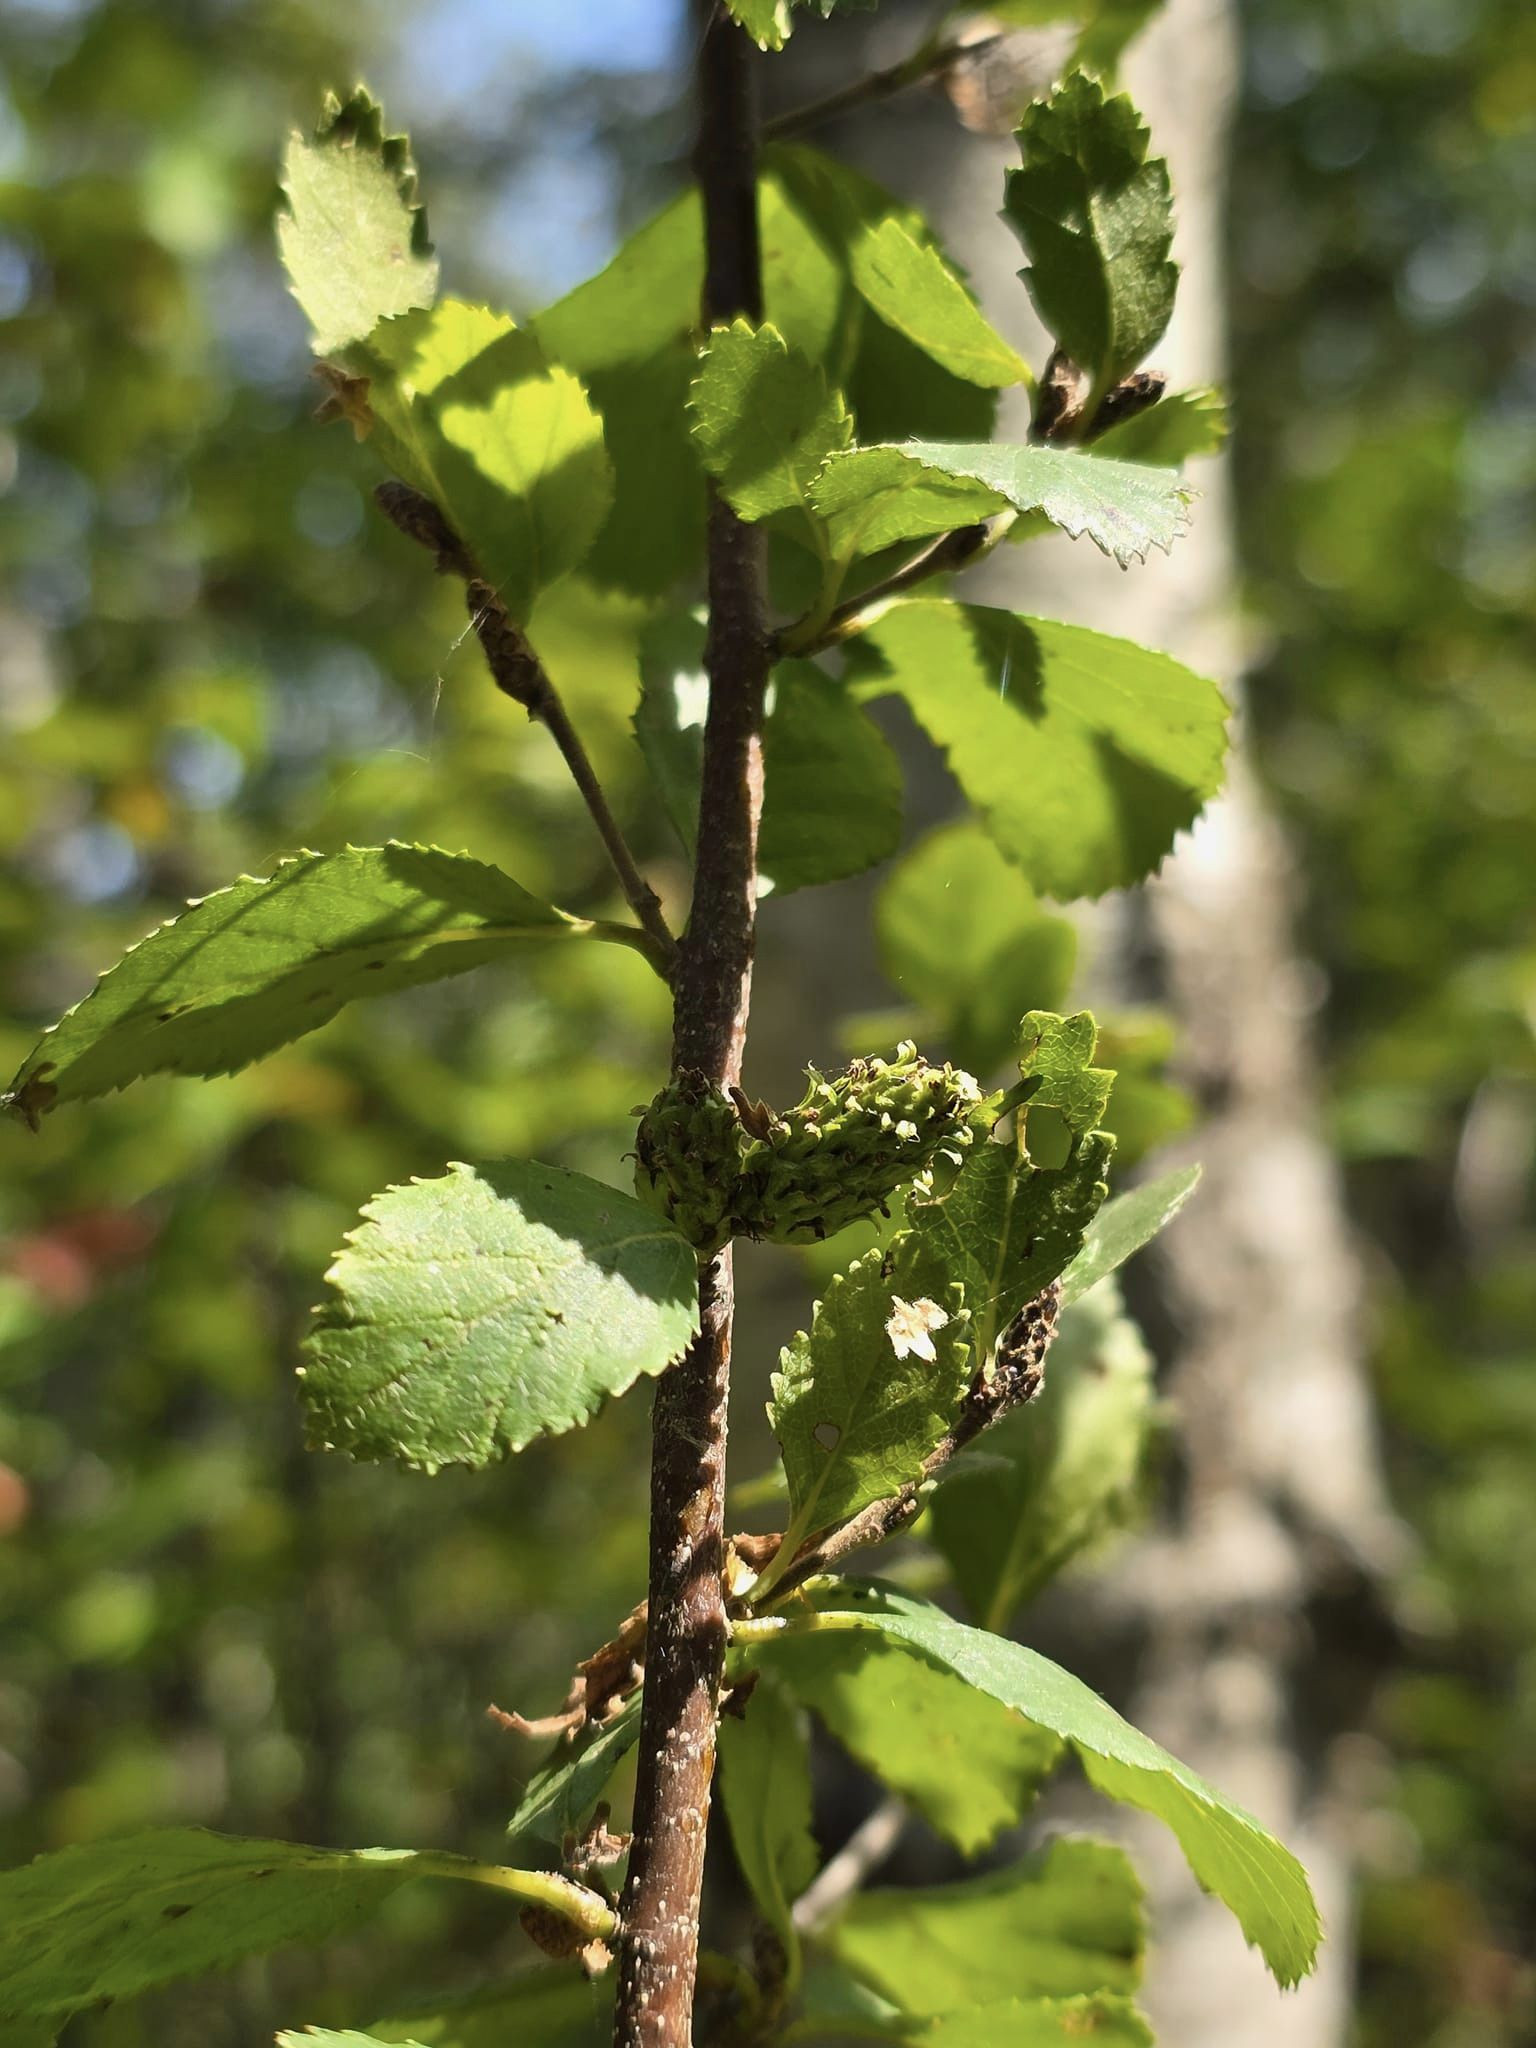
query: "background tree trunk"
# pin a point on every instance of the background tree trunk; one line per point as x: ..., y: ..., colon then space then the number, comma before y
x: 1224, y: 1632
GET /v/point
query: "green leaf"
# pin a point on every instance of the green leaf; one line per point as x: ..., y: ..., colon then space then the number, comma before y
x: 1058, y: 1924
x: 969, y: 1766
x: 1107, y: 25
x: 831, y: 782
x: 1095, y: 215
x: 1123, y: 507
x: 111, y: 1919
x: 855, y: 1407
x: 549, y: 2007
x: 1099, y: 2017
x: 765, y: 1786
x: 1174, y: 431
x: 558, y: 1799
x: 261, y: 962
x: 908, y: 283
x: 769, y: 22
x: 764, y: 421
x: 327, y: 2037
x: 1124, y: 1225
x: 353, y: 236
x: 1229, y: 1852
x: 508, y: 445
x: 499, y: 1303
x: 962, y: 933
x: 870, y: 498
x: 1084, y: 756
x: 1055, y: 1477
x: 1009, y: 1222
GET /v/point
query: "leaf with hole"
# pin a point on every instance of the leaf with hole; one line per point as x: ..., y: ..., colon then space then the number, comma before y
x: 473, y: 1313
x: 1083, y: 756
x: 1230, y: 1853
x: 264, y: 961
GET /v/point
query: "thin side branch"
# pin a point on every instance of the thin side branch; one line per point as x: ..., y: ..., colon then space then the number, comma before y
x: 931, y: 59
x: 519, y: 674
x: 858, y: 1860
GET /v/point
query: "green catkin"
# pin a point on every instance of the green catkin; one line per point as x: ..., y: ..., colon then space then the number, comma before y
x: 839, y: 1155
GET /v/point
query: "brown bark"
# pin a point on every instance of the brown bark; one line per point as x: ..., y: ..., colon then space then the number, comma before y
x: 658, y: 1954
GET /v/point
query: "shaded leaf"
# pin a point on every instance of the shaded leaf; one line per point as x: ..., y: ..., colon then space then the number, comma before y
x: 962, y: 933
x: 499, y: 1303
x: 764, y: 420
x: 970, y: 1766
x: 1124, y: 1225
x: 261, y: 962
x: 1099, y: 2017
x: 1056, y: 1477
x: 1095, y: 215
x: 1083, y: 755
x: 111, y: 1919
x: 765, y: 1786
x: 352, y: 234
x: 831, y: 782
x: 855, y: 1409
x: 1060, y: 1923
x: 1230, y: 1853
x: 558, y: 1799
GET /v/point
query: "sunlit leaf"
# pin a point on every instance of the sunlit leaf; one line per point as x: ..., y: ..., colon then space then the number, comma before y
x: 909, y: 284
x: 1124, y: 1225
x: 499, y: 1303
x: 264, y: 961
x: 353, y: 235
x: 1082, y: 755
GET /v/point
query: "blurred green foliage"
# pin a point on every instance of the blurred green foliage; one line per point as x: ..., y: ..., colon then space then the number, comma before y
x: 1383, y: 259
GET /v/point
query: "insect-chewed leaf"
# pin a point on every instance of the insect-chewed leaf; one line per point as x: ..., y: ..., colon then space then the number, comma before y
x: 353, y: 235
x: 1062, y: 1923
x: 970, y: 1766
x: 499, y: 1303
x: 1229, y: 1851
x: 264, y: 961
x: 1082, y: 755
